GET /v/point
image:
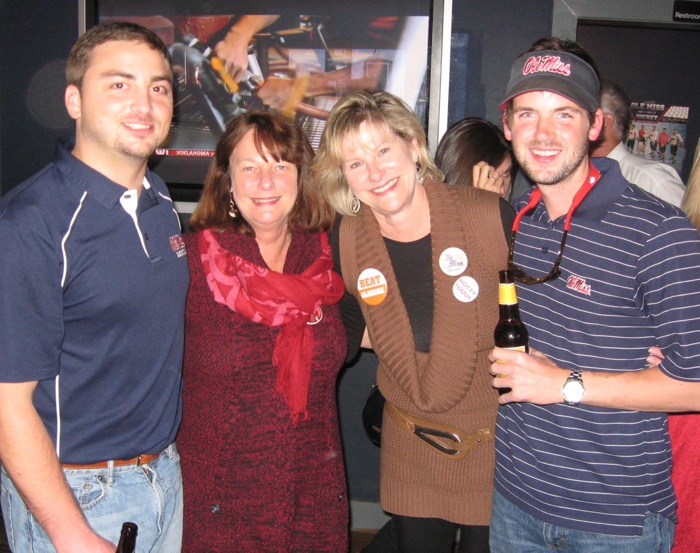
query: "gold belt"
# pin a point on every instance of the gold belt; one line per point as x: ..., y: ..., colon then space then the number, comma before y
x: 447, y: 440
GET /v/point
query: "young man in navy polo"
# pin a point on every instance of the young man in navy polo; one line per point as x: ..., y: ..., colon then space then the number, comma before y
x: 605, y: 270
x: 93, y: 279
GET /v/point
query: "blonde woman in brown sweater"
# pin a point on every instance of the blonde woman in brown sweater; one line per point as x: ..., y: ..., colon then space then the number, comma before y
x: 420, y: 262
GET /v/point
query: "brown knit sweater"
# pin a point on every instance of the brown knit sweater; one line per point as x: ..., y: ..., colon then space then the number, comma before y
x: 451, y: 383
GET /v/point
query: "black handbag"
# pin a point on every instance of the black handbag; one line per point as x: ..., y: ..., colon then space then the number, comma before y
x: 372, y: 413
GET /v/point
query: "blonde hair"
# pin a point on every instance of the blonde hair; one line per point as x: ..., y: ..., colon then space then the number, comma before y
x: 691, y: 199
x: 379, y: 108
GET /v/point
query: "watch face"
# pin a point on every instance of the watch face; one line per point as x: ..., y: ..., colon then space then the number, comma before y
x: 573, y: 391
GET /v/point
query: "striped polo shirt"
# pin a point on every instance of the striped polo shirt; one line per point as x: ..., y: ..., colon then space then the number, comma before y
x: 630, y: 279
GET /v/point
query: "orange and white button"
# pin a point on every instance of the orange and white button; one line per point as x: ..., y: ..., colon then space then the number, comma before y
x: 372, y: 286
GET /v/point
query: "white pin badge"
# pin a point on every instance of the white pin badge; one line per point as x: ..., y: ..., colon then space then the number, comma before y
x: 465, y: 289
x: 453, y: 261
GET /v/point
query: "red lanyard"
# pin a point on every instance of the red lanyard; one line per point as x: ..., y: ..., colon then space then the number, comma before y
x: 588, y: 184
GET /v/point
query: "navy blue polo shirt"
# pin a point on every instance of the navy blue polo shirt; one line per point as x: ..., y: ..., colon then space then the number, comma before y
x: 630, y: 279
x: 92, y: 307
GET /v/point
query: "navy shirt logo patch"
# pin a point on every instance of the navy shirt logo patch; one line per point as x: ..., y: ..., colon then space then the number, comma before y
x: 178, y: 245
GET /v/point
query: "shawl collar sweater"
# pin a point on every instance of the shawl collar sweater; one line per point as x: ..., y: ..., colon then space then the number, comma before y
x: 450, y: 384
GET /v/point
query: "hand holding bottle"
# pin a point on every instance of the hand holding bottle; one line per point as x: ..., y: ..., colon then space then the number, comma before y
x: 530, y: 377
x: 521, y: 373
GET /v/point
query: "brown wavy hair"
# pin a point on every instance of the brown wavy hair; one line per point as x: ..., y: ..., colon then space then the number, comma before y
x: 284, y: 141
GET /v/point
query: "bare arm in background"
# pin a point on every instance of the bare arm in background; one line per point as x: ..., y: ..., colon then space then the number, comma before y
x: 233, y: 49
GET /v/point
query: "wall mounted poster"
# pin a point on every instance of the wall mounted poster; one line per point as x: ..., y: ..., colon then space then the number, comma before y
x: 658, y: 132
x: 299, y: 62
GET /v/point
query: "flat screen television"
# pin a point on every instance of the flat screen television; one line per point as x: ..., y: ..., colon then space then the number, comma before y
x: 343, y: 45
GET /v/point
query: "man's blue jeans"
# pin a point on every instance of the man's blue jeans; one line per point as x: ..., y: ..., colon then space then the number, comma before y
x: 512, y: 529
x: 149, y: 495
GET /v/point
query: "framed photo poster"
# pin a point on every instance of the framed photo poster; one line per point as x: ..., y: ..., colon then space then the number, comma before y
x: 640, y: 45
x: 301, y: 57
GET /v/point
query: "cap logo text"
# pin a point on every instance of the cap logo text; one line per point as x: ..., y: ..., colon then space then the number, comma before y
x: 546, y: 64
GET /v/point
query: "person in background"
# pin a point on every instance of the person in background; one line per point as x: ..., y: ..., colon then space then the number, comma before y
x: 674, y: 142
x: 474, y: 152
x: 663, y: 141
x: 684, y: 429
x: 653, y: 142
x: 260, y: 444
x: 92, y: 296
x: 641, y: 141
x: 583, y: 454
x: 420, y: 260
x: 652, y: 176
x: 631, y: 137
x: 691, y: 199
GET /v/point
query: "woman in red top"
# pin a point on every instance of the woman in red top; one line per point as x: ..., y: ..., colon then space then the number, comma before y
x: 261, y: 457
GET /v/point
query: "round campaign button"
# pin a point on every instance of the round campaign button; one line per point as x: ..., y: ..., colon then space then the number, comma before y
x: 372, y: 286
x: 453, y: 261
x: 465, y: 289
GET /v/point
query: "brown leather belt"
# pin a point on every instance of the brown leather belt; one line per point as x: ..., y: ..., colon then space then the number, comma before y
x: 138, y: 461
x: 447, y: 440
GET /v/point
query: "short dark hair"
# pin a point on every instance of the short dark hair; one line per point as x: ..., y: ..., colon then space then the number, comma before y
x: 79, y: 56
x: 284, y: 141
x: 465, y: 144
x: 614, y: 100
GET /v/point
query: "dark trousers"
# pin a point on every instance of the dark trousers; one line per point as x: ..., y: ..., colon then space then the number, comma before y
x: 428, y: 535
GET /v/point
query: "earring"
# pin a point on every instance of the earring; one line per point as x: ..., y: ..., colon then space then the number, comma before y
x: 355, y: 204
x: 421, y: 177
x: 232, y: 211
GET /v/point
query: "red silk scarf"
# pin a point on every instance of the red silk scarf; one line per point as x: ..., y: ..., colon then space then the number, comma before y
x: 292, y: 302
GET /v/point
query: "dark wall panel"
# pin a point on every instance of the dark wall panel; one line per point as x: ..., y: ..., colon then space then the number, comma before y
x: 34, y: 43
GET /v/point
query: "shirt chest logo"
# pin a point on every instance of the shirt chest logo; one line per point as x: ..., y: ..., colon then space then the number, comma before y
x: 178, y: 245
x: 578, y: 284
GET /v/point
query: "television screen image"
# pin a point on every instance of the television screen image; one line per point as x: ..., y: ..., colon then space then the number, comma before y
x: 298, y: 63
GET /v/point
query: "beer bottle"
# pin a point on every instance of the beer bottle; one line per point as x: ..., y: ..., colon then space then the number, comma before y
x: 127, y: 541
x: 510, y: 331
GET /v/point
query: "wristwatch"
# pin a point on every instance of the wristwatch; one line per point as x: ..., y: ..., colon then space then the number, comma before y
x: 573, y: 389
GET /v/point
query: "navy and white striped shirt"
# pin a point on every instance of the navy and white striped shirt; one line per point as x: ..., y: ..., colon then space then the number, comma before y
x: 630, y: 279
